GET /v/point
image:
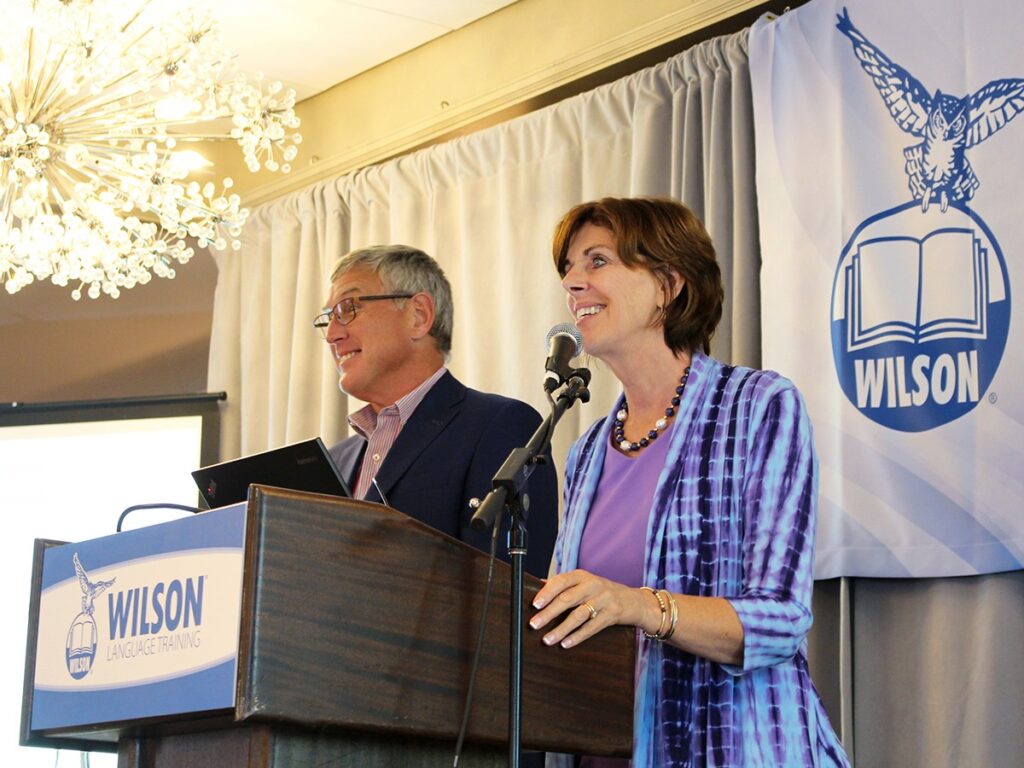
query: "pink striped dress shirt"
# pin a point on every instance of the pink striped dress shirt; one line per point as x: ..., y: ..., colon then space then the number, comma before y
x: 382, y: 429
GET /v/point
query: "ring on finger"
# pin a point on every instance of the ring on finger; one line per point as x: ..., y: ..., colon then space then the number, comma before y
x: 591, y: 608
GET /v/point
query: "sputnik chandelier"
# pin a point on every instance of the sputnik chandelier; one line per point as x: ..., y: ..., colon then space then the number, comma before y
x: 97, y: 98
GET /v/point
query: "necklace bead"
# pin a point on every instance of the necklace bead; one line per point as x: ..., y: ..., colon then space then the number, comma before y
x: 619, y: 426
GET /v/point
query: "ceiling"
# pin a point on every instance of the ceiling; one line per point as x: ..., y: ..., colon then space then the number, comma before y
x: 308, y: 45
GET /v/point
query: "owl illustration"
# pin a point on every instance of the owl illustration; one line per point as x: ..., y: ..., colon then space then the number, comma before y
x: 90, y: 589
x: 937, y: 168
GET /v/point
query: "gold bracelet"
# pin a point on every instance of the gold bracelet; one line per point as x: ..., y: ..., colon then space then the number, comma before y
x: 674, y: 611
x: 664, y: 615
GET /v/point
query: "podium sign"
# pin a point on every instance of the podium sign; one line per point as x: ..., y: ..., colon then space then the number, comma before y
x: 300, y: 629
x: 140, y: 624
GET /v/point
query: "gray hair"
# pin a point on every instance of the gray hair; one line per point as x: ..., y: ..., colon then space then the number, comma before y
x: 403, y: 269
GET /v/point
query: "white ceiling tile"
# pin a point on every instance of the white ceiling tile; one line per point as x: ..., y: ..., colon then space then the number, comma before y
x: 312, y: 44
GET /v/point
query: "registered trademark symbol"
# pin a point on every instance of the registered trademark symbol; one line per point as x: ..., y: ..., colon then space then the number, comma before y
x: 993, y: 397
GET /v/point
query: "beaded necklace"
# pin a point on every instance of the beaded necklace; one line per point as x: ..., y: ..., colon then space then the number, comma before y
x: 619, y: 428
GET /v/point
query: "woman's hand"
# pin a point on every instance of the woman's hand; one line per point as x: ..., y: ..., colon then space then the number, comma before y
x: 590, y: 604
x: 707, y: 626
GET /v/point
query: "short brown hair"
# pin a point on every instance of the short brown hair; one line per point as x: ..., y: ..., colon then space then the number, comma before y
x: 666, y: 238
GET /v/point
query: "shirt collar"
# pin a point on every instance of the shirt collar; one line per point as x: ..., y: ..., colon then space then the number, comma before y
x: 364, y: 421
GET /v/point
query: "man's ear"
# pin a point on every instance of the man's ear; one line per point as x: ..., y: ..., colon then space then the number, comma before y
x: 422, y: 315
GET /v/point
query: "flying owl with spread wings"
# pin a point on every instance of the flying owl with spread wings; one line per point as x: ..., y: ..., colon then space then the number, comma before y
x: 90, y: 589
x: 937, y: 168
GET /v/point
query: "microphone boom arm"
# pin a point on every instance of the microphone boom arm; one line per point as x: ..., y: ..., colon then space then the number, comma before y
x: 509, y: 483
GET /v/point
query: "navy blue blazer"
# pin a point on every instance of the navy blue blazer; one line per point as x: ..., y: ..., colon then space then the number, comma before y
x: 447, y: 453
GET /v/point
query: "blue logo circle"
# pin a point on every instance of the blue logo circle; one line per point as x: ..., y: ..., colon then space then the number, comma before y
x: 920, y: 315
x: 80, y: 648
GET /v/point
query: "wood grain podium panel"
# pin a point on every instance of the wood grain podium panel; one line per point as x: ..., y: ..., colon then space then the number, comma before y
x: 265, y: 746
x: 357, y: 616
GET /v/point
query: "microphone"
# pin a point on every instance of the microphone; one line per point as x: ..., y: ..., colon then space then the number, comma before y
x: 564, y: 343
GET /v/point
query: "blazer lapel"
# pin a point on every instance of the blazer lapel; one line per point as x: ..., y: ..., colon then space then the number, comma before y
x: 431, y: 416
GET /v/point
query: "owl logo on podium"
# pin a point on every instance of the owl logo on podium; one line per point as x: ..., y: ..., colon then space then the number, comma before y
x: 80, y: 647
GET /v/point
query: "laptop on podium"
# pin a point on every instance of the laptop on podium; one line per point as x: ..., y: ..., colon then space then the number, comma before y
x: 304, y: 466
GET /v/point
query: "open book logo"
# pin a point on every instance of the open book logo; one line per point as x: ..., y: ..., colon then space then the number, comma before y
x: 920, y: 315
x: 901, y: 287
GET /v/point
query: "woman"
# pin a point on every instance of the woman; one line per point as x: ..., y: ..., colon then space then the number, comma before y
x: 690, y: 508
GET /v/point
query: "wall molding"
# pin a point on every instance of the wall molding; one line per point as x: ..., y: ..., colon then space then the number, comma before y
x: 417, y: 133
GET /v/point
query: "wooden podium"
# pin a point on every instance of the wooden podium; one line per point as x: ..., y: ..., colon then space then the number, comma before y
x: 357, y: 630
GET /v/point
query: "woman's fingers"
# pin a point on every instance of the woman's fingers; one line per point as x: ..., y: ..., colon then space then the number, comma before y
x: 556, y: 585
x: 562, y: 593
x: 579, y: 624
x: 586, y: 604
x: 570, y: 600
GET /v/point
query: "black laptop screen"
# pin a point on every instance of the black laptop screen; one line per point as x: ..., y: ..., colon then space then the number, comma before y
x: 304, y: 466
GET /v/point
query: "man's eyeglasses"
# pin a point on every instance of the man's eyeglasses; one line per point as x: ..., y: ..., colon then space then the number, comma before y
x: 345, y: 311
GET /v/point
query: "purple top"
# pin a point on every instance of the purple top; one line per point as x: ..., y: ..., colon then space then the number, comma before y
x: 613, y: 539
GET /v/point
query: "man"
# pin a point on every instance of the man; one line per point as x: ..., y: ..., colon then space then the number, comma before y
x: 425, y: 444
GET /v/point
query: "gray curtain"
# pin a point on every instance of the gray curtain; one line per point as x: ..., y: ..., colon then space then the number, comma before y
x: 924, y: 672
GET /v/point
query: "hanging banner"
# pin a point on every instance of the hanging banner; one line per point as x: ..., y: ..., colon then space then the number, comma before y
x: 890, y: 175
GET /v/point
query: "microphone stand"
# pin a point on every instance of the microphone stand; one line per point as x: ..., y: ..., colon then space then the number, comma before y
x: 509, y: 486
